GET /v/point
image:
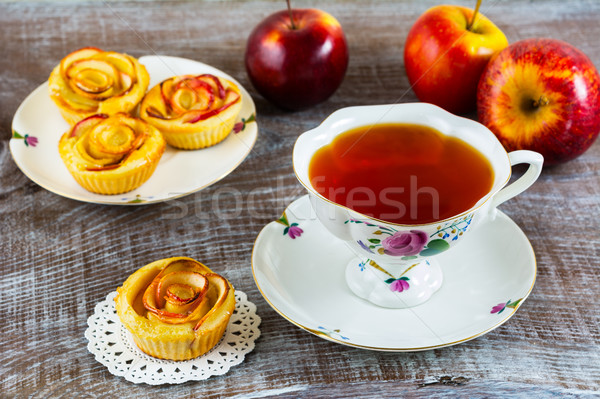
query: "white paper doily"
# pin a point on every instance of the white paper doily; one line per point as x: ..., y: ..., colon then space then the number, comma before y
x: 112, y: 345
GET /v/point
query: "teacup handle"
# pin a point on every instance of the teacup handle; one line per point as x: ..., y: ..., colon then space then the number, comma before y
x: 535, y: 161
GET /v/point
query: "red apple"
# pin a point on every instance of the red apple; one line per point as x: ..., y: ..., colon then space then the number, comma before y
x: 297, y: 58
x: 542, y: 95
x: 445, y: 53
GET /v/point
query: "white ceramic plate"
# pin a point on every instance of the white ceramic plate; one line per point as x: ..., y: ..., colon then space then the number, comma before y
x: 486, y: 278
x: 38, y: 125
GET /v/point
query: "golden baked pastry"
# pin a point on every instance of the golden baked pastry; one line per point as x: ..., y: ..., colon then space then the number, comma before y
x: 91, y: 81
x: 193, y: 111
x: 175, y: 308
x: 111, y: 154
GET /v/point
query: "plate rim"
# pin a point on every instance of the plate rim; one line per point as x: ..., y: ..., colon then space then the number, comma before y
x: 380, y: 348
x: 13, y: 142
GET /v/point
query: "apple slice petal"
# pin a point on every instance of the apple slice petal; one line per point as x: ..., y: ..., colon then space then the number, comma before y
x: 191, y: 93
x: 183, y: 99
x: 154, y: 113
x: 149, y: 297
x: 192, y: 99
x: 80, y: 54
x: 92, y: 78
x: 153, y: 297
x: 111, y: 140
x: 166, y: 88
x: 127, y: 82
x: 195, y: 281
x: 185, y: 313
x: 184, y: 264
x: 222, y: 286
x: 196, y: 116
x: 120, y: 61
x: 217, y: 82
x: 178, y: 293
x: 90, y: 81
x: 106, y: 142
x: 85, y: 124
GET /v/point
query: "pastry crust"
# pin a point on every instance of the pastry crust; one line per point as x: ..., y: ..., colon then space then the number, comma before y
x: 193, y: 112
x: 111, y: 154
x: 91, y: 81
x: 159, y: 330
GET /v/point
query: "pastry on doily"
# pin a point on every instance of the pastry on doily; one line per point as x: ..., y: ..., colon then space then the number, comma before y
x: 193, y: 112
x: 175, y: 308
x: 111, y: 154
x: 91, y: 81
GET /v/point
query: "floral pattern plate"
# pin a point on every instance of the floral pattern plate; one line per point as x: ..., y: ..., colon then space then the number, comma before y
x: 38, y: 125
x: 299, y: 267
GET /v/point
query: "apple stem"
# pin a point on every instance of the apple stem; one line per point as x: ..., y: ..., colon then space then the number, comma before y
x: 540, y: 102
x: 291, y: 16
x: 470, y: 24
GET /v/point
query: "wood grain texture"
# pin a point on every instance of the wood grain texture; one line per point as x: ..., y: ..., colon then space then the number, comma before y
x: 60, y: 257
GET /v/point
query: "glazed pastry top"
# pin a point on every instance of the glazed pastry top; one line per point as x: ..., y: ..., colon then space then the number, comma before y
x: 103, y: 143
x: 190, y: 99
x: 90, y: 80
x: 175, y: 296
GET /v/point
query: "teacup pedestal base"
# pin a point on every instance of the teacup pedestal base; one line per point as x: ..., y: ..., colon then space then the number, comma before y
x: 394, y: 287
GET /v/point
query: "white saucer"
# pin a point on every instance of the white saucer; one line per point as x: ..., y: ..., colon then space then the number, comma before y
x: 486, y: 278
x: 37, y: 126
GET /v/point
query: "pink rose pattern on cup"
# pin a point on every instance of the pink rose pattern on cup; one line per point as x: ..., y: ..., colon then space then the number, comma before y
x: 405, y: 243
x: 413, y: 243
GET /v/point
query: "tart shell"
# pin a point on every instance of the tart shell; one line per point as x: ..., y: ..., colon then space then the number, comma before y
x: 182, y: 134
x: 171, y: 341
x: 74, y: 106
x: 134, y: 171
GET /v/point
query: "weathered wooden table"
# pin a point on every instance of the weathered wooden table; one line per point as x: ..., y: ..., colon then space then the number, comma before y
x: 60, y: 257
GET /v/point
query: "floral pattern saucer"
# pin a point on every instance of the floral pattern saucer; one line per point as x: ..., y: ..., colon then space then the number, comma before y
x: 299, y: 266
x: 37, y: 126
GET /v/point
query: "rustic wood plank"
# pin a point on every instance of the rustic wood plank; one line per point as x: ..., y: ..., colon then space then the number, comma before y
x: 60, y: 257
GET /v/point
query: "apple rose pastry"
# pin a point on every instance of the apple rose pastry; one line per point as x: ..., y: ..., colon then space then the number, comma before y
x: 111, y: 154
x: 175, y: 308
x: 91, y: 81
x: 192, y: 112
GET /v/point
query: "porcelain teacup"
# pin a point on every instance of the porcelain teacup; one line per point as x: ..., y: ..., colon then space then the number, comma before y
x: 395, y: 264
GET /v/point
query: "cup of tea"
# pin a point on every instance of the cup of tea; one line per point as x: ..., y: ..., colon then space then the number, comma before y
x: 401, y: 184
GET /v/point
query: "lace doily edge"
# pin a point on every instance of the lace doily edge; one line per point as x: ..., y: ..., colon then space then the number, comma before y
x: 241, y: 352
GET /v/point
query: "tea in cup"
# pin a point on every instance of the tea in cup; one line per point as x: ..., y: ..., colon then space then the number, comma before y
x: 401, y: 184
